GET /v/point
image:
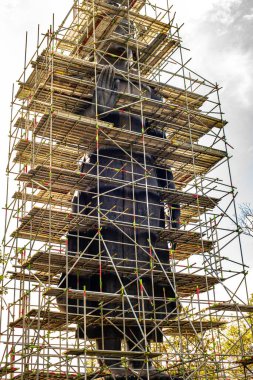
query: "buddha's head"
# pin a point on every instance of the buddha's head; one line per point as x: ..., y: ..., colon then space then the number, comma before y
x: 117, y: 53
x: 117, y: 2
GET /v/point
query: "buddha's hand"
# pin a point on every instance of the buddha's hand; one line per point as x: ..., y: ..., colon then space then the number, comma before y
x: 107, y: 90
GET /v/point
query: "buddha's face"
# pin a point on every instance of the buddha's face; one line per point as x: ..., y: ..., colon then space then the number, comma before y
x: 118, y: 54
x: 117, y: 2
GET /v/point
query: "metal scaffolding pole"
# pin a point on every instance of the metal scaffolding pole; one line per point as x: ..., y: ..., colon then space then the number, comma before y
x: 95, y: 182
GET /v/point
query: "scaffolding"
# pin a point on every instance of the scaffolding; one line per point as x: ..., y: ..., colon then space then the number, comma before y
x: 57, y: 153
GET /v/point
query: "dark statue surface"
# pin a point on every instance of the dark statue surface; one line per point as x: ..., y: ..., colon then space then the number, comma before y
x: 130, y: 247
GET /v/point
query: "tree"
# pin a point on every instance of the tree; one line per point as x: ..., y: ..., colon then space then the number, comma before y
x: 237, y: 346
x: 221, y: 354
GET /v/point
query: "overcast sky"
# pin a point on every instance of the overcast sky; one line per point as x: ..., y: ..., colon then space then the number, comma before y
x: 220, y: 36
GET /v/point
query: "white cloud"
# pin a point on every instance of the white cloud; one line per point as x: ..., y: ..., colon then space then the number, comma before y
x: 222, y: 12
x: 7, y: 6
x: 196, y: 9
x: 236, y: 68
x: 248, y: 17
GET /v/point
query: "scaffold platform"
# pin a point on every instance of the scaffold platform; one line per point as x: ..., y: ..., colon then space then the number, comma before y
x: 114, y: 82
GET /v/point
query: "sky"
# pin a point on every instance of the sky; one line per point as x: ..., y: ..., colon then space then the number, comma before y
x: 220, y: 36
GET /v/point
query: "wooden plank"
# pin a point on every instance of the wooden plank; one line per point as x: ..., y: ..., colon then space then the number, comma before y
x: 112, y: 353
x: 52, y: 225
x: 62, y: 181
x: 81, y: 131
x: 106, y: 18
x: 48, y: 197
x: 50, y: 375
x: 192, y: 205
x: 148, y: 22
x: 70, y: 159
x: 186, y: 285
x: 189, y: 212
x: 137, y: 5
x: 87, y: 263
x: 73, y: 94
x: 80, y: 73
x: 34, y: 277
x: 56, y: 321
x: 234, y: 307
x: 61, y: 156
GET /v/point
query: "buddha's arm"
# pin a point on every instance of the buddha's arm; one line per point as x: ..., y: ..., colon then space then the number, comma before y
x: 105, y: 93
x: 150, y: 128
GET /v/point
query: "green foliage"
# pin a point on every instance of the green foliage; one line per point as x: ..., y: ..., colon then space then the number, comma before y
x: 237, y: 343
x: 217, y: 355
